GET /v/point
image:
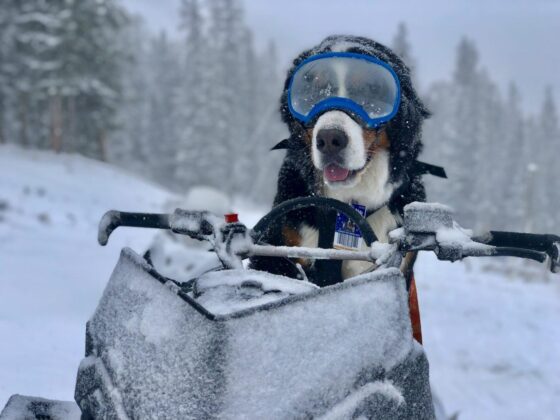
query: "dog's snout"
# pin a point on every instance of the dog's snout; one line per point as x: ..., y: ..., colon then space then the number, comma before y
x: 331, y: 140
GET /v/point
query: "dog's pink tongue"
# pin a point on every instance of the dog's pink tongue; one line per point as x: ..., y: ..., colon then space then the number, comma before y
x: 335, y: 173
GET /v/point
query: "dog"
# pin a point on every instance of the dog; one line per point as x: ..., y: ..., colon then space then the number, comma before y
x: 336, y: 154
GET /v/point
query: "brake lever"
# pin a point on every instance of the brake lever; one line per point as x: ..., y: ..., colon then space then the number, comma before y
x: 196, y: 224
x: 232, y: 244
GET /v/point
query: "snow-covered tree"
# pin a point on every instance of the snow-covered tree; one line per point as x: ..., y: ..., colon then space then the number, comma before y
x: 7, y: 13
x: 401, y: 46
x: 33, y: 57
x: 513, y: 176
x: 64, y: 72
x: 130, y: 145
x: 227, y: 34
x: 466, y: 132
x: 194, y: 164
x: 268, y: 128
x: 95, y: 63
x: 547, y: 143
x: 164, y: 109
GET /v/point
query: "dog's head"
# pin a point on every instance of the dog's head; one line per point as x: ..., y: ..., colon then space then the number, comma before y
x: 341, y: 145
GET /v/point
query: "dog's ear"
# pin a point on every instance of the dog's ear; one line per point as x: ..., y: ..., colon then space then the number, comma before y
x: 423, y: 168
x: 282, y: 144
x: 287, y: 144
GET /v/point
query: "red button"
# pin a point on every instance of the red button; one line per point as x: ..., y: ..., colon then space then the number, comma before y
x: 231, y: 218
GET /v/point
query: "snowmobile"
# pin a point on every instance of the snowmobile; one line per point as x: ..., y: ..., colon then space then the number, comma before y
x: 240, y: 343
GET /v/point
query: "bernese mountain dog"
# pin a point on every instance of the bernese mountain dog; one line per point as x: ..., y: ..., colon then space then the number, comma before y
x: 351, y: 146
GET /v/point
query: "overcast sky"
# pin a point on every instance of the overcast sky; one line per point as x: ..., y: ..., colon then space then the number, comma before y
x: 517, y: 39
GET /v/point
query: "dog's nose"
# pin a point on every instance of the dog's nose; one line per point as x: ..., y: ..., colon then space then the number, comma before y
x: 331, y: 140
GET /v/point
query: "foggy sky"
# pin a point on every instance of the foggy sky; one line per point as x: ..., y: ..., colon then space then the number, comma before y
x: 517, y: 39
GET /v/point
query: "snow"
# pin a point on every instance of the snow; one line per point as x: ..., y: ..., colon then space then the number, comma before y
x: 22, y: 407
x: 205, y: 198
x: 232, y: 240
x: 181, y: 221
x: 173, y: 259
x: 104, y: 225
x: 317, y: 253
x: 456, y: 243
x: 346, y: 408
x: 427, y: 220
x: 453, y: 237
x: 229, y: 291
x: 293, y: 349
x: 427, y: 217
x: 113, y: 394
x: 52, y: 269
x: 491, y: 338
x: 314, y: 336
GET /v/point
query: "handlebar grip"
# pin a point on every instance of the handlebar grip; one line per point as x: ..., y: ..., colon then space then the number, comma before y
x: 521, y: 253
x: 534, y: 241
x: 545, y: 244
x: 114, y: 219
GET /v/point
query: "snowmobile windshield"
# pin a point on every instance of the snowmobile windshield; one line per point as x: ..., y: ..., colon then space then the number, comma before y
x: 360, y: 84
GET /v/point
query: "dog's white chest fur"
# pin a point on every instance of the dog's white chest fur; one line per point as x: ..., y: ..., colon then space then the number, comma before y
x: 382, y: 222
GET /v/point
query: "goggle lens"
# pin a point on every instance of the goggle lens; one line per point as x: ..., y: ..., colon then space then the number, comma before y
x: 352, y: 78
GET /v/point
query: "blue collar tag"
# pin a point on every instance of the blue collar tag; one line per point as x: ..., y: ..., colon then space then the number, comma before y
x: 347, y: 235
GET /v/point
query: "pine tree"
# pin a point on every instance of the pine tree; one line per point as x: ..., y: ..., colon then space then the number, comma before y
x: 249, y: 100
x: 64, y: 72
x: 130, y: 146
x: 466, y: 64
x: 466, y: 130
x: 512, y: 177
x: 439, y: 134
x: 95, y: 67
x: 401, y: 46
x: 547, y: 144
x: 227, y: 33
x: 268, y: 128
x: 531, y: 189
x: 7, y: 13
x: 194, y: 163
x: 162, y: 124
x: 36, y: 39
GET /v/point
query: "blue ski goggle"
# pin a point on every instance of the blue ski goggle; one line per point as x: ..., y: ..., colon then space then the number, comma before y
x: 360, y: 84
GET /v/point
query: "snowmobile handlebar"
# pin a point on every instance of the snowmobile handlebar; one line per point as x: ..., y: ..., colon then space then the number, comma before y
x: 196, y: 224
x: 203, y: 224
x: 114, y: 219
x: 426, y: 227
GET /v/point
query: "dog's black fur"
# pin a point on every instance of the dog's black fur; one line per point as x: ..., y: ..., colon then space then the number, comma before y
x: 299, y: 178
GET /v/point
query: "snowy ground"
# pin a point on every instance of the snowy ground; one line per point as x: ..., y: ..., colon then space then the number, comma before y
x: 493, y: 343
x: 52, y: 271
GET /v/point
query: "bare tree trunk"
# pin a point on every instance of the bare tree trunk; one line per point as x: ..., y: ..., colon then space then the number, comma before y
x: 23, y: 118
x: 55, y: 108
x: 2, y: 117
x: 71, y: 124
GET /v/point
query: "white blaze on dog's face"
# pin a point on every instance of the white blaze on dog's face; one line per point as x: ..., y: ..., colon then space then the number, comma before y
x: 353, y: 168
x: 353, y: 156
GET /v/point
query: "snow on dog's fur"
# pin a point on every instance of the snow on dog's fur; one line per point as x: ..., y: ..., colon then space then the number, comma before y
x: 373, y: 167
